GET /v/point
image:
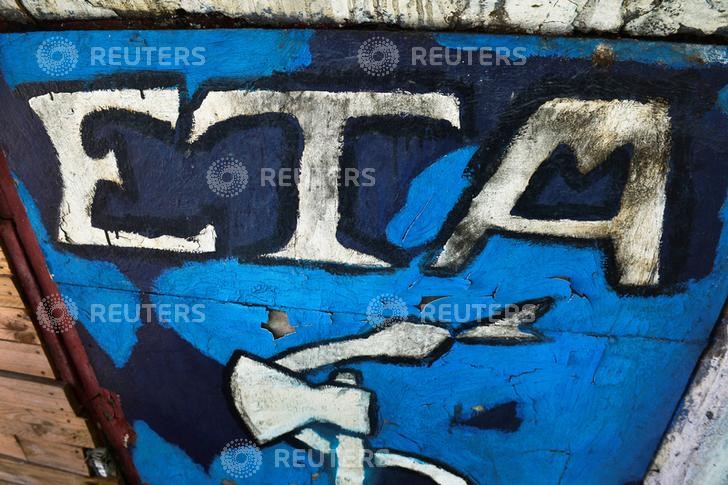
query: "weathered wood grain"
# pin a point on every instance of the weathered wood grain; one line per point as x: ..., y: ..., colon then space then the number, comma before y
x: 37, y: 423
x: 16, y: 326
x: 57, y: 455
x: 14, y: 471
x: 50, y: 395
x: 60, y: 426
x: 24, y: 359
x: 9, y: 296
x: 9, y: 446
x: 4, y: 265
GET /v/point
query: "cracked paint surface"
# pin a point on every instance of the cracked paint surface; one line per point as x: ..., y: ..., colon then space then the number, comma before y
x: 638, y: 18
x: 571, y: 404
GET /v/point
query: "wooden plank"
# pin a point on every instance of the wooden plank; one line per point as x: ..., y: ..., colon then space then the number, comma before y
x: 9, y: 296
x: 55, y: 455
x: 60, y: 427
x: 15, y: 471
x: 24, y: 359
x: 4, y: 265
x: 44, y: 395
x: 16, y: 326
x: 9, y: 446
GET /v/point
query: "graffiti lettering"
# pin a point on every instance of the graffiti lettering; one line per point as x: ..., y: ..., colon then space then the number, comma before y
x: 593, y: 129
x: 322, y: 116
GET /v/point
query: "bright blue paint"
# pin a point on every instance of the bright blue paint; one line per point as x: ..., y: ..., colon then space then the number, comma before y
x: 662, y: 53
x: 430, y: 198
x: 568, y: 391
x: 178, y: 468
x: 581, y: 393
x: 260, y: 53
x: 115, y: 333
x: 160, y: 462
x: 76, y: 275
x: 597, y: 376
x: 519, y: 269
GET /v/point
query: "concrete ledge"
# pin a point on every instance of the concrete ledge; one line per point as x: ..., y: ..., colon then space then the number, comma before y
x: 694, y: 449
x: 628, y: 17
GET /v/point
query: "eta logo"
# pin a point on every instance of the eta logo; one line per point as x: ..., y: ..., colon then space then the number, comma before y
x: 592, y: 128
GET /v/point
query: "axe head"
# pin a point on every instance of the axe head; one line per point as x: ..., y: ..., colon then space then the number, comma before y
x: 273, y: 401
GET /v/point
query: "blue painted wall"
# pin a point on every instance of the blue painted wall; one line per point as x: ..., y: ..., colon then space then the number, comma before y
x: 591, y: 400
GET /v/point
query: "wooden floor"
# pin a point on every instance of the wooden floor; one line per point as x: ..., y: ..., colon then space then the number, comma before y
x: 42, y: 439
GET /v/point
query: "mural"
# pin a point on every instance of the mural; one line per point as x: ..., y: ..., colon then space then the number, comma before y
x: 357, y: 257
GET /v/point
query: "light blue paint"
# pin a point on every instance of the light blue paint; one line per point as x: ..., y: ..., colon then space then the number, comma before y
x: 518, y: 269
x: 647, y: 52
x: 431, y: 197
x: 76, y: 275
x: 601, y: 349
x: 258, y: 54
x: 581, y: 393
x: 178, y: 468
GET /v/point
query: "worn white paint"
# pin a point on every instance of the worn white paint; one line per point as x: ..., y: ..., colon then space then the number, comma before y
x: 507, y: 328
x: 273, y: 403
x: 60, y: 9
x: 314, y: 440
x: 62, y: 115
x: 593, y: 129
x: 695, y: 449
x: 400, y: 340
x: 322, y: 116
x: 634, y: 17
x: 349, y: 460
x: 10, y: 10
x: 599, y: 16
x: 670, y: 17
